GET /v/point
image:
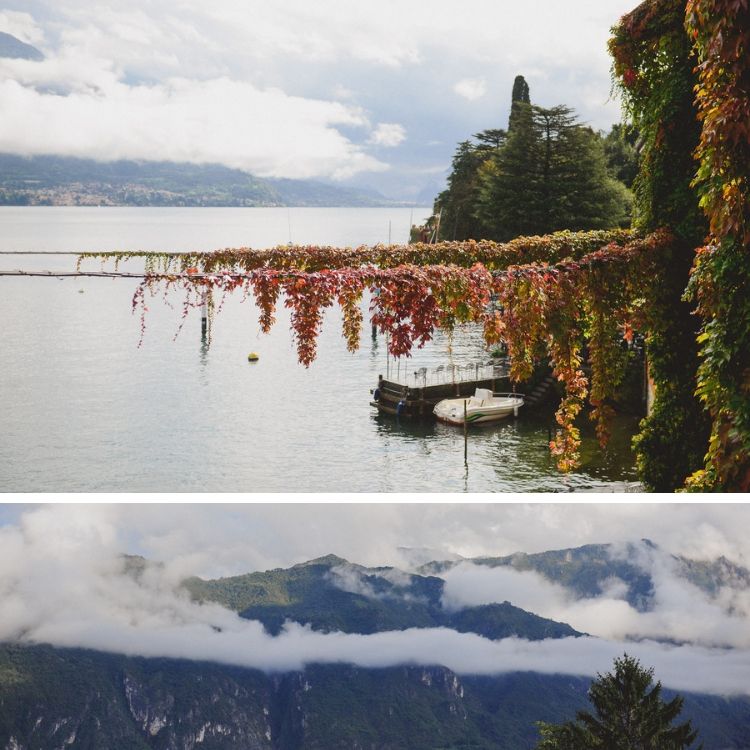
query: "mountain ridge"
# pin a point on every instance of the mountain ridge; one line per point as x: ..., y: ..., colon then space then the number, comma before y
x: 70, y: 181
x: 332, y: 594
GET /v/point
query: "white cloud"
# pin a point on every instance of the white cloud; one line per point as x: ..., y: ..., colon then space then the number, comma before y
x: 388, y: 134
x: 342, y: 92
x: 680, y: 611
x: 264, y: 131
x: 22, y: 26
x: 354, y: 579
x: 471, y: 88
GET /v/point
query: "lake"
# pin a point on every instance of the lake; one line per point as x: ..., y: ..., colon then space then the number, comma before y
x: 86, y: 410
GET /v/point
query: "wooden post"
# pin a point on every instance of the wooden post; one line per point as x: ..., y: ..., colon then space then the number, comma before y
x: 204, y: 317
x: 466, y: 437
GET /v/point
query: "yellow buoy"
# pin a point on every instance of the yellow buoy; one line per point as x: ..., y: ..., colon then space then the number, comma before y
x: 253, y: 357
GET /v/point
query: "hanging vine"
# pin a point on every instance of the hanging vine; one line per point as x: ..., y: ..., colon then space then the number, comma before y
x: 545, y: 310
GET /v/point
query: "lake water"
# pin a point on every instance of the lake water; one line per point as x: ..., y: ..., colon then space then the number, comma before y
x: 86, y: 410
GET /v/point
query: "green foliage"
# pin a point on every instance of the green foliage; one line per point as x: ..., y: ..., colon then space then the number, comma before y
x: 456, y: 203
x: 622, y: 154
x: 519, y: 95
x: 629, y: 714
x: 321, y: 708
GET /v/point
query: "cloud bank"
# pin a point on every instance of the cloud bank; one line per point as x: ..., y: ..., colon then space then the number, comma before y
x: 61, y: 582
x: 263, y: 131
x: 679, y: 611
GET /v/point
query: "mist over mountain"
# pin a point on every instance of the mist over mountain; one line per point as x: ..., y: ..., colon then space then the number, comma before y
x: 124, y: 652
x: 330, y: 594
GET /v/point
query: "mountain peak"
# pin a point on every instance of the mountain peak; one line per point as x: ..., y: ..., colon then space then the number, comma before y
x: 12, y: 47
x: 330, y: 561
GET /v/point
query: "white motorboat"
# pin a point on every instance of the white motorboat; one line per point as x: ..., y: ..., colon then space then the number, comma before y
x: 483, y: 406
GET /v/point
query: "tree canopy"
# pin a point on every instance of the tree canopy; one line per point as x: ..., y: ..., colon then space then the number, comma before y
x: 550, y: 175
x: 545, y: 173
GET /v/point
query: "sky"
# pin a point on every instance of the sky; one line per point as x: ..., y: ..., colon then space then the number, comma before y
x: 61, y: 582
x: 367, y: 94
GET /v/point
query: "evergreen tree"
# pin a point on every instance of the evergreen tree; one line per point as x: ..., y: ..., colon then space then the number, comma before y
x: 629, y: 714
x: 491, y: 139
x: 506, y: 183
x: 456, y: 204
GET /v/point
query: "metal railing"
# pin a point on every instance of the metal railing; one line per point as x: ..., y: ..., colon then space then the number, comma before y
x: 470, y: 372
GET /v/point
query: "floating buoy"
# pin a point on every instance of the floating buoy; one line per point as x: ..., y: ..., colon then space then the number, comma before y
x: 253, y: 357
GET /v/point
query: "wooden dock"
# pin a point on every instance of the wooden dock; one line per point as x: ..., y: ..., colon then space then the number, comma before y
x: 416, y: 398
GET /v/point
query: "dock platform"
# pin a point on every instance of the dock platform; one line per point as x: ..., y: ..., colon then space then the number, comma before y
x: 415, y: 395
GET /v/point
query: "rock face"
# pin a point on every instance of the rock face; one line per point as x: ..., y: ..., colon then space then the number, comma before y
x: 55, y: 699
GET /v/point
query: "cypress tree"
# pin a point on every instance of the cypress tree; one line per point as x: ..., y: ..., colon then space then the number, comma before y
x: 519, y: 95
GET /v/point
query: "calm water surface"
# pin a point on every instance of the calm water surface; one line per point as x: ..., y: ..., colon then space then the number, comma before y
x: 85, y: 409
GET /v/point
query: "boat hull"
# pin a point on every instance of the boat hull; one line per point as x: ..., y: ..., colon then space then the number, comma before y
x: 451, y: 411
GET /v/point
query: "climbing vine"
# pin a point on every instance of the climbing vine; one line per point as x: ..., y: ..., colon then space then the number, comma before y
x: 492, y: 255
x: 653, y: 66
x: 720, y: 282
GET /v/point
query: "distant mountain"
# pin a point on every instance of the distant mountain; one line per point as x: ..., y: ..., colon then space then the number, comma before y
x: 66, y: 181
x: 332, y: 594
x: 12, y: 47
x: 55, y: 698
x: 587, y: 569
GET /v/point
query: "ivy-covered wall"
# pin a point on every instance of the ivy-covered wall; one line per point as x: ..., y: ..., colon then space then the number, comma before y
x: 720, y: 30
x: 654, y: 67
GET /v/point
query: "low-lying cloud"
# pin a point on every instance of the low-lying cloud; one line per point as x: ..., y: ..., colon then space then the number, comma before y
x: 355, y: 579
x: 62, y: 583
x: 678, y: 611
x: 84, y: 108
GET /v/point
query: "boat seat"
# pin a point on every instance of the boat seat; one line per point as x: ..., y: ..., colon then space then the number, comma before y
x: 483, y: 396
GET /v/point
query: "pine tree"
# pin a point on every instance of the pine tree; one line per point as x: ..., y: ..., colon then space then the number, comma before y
x: 629, y: 714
